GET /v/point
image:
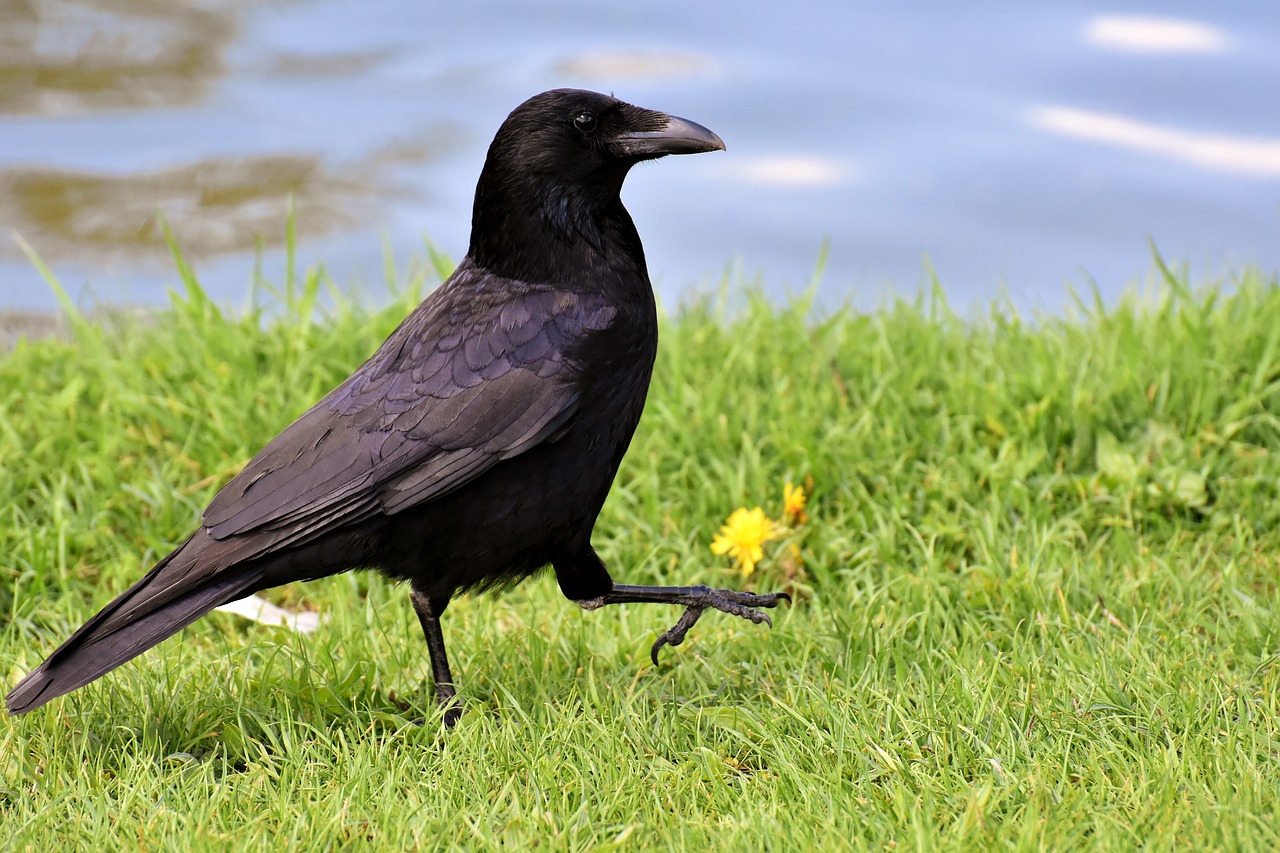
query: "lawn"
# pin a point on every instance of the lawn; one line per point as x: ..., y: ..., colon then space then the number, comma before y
x: 1036, y: 594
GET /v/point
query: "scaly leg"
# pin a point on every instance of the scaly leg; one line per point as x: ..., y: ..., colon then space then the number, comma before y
x: 695, y: 599
x: 429, y: 610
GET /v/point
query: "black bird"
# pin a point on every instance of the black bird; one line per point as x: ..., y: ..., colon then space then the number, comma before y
x: 477, y: 445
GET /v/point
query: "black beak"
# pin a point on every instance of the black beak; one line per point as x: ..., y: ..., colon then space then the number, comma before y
x: 680, y: 136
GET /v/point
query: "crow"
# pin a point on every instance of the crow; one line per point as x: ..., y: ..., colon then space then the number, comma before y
x: 477, y: 445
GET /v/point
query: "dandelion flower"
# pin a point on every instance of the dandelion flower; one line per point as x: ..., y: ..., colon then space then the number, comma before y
x: 743, y: 536
x: 793, y: 503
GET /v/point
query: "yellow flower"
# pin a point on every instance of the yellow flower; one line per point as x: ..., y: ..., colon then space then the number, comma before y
x: 793, y: 502
x: 742, y: 536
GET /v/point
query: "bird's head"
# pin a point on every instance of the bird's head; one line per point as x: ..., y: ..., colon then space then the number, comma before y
x: 556, y: 167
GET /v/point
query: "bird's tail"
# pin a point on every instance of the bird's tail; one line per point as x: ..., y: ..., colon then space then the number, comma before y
x: 180, y: 589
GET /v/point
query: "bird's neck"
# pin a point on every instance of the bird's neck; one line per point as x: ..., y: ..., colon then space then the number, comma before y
x: 573, y: 236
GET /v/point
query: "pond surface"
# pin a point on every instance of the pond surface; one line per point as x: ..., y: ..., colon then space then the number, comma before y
x: 1014, y: 150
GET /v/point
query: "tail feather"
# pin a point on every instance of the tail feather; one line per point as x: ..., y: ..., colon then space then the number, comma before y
x: 180, y: 589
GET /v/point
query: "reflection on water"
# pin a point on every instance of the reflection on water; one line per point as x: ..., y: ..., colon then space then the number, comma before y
x: 787, y: 171
x: 1018, y: 149
x: 72, y: 57
x: 68, y: 56
x: 1254, y: 156
x: 214, y: 206
x: 1151, y: 34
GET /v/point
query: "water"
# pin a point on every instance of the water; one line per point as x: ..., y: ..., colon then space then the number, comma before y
x: 1017, y: 149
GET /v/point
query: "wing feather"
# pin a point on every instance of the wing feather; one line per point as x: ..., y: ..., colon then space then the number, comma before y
x: 460, y: 386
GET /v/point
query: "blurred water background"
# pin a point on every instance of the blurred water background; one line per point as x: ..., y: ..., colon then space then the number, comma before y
x: 1017, y: 147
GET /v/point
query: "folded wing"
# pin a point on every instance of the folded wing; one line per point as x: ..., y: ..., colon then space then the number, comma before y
x: 447, y: 397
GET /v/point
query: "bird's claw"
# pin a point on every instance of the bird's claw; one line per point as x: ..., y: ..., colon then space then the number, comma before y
x: 674, y: 636
x: 730, y: 601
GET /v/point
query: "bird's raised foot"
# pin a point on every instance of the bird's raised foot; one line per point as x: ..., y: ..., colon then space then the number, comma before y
x: 730, y: 601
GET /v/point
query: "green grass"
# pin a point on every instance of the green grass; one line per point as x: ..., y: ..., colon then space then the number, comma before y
x: 1038, y: 603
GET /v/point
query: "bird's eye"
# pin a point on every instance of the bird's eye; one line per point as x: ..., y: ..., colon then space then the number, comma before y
x: 585, y: 121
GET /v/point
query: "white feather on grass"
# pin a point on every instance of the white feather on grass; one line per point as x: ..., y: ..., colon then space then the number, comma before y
x: 266, y: 613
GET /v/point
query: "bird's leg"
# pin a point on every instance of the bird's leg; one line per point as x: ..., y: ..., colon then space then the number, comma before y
x: 583, y: 578
x: 429, y: 610
x: 695, y: 599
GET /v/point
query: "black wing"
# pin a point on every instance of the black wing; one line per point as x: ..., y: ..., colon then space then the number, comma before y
x: 468, y: 380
